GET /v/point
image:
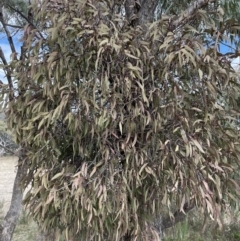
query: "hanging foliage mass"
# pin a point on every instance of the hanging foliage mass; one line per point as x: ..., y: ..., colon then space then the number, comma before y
x: 121, y: 118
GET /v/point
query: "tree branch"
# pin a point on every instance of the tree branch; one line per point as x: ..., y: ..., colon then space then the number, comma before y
x: 22, y: 15
x: 9, y: 150
x: 146, y: 12
x: 190, y: 12
x: 6, y: 29
x: 29, y: 19
x: 140, y: 12
x: 13, y: 26
x: 8, y: 73
x: 130, y: 10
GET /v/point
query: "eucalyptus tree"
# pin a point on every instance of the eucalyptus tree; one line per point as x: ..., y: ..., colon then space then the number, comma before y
x: 124, y: 108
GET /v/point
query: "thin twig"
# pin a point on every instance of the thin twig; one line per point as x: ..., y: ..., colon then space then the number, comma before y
x: 8, y: 74
x: 12, y: 46
x: 14, y: 26
x: 24, y: 17
x: 21, y: 14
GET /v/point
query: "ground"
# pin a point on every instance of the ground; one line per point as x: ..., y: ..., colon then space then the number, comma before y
x: 7, y: 175
x: 26, y: 230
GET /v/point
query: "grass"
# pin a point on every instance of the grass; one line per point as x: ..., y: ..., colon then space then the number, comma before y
x: 26, y: 229
x: 192, y: 229
x: 189, y: 230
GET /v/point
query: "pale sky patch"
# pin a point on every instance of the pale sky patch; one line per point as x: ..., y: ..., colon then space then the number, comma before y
x: 236, y: 63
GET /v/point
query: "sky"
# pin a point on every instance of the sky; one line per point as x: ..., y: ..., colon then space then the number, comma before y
x: 236, y: 62
x: 7, y: 51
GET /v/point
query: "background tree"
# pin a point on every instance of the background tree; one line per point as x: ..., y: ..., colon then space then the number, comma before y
x: 13, y: 18
x: 120, y: 115
x: 7, y: 145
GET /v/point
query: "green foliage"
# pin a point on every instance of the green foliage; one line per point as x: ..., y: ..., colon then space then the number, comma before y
x: 120, y: 120
x: 181, y: 232
x: 192, y: 229
x: 24, y: 218
x: 236, y: 236
x: 26, y: 230
x: 7, y: 144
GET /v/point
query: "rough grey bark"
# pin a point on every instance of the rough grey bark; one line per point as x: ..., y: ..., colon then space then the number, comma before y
x: 9, y: 223
x: 43, y: 236
x: 140, y: 12
x: 146, y: 12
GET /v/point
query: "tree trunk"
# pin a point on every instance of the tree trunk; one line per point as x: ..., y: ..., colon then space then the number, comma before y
x: 159, y: 227
x: 178, y: 216
x: 9, y: 223
x: 141, y: 12
x: 45, y: 236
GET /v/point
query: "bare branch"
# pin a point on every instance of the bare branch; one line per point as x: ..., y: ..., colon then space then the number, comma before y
x: 29, y: 18
x: 6, y: 30
x: 21, y: 14
x: 7, y: 149
x: 8, y: 73
x: 13, y: 26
